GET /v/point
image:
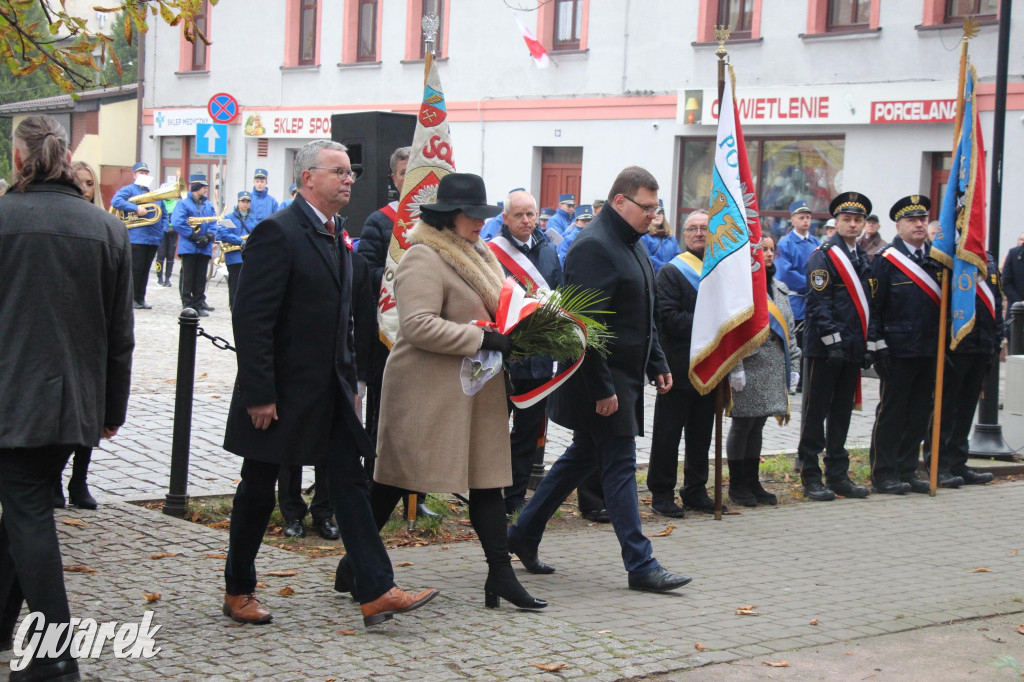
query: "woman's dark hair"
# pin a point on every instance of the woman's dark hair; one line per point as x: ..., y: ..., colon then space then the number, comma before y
x: 439, y: 221
x: 44, y: 147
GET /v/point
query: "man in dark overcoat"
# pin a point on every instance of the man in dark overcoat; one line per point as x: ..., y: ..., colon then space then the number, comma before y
x: 603, y: 401
x: 66, y: 329
x: 293, y: 402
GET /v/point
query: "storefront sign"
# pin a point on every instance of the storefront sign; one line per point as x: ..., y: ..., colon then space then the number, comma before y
x: 179, y: 121
x: 864, y: 103
x: 298, y: 123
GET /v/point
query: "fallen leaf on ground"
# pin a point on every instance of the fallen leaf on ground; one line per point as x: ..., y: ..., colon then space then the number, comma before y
x: 152, y: 596
x: 286, y: 592
x: 814, y: 622
x: 219, y: 524
x: 195, y: 516
x: 668, y: 531
x: 699, y: 647
x: 202, y: 376
x: 261, y: 584
x: 1013, y: 552
x: 848, y: 653
x: 216, y: 556
x: 604, y: 632
x: 746, y: 611
x: 982, y: 570
x: 550, y: 667
x: 215, y: 395
x: 776, y: 664
x: 79, y: 569
x: 282, y: 574
x: 163, y: 555
x: 347, y: 633
x: 236, y: 481
x: 78, y: 523
x: 1020, y: 629
x: 404, y: 563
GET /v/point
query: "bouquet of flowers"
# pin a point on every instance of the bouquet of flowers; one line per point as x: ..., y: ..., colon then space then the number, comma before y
x: 558, y: 323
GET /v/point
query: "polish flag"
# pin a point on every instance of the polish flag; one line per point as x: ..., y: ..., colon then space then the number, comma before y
x: 537, y: 51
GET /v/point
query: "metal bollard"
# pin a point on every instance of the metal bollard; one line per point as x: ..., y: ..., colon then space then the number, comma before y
x: 177, y: 492
x: 1017, y: 329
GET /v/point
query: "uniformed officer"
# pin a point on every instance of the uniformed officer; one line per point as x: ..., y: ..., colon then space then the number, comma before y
x: 905, y: 305
x: 837, y: 317
x: 144, y: 239
x: 232, y: 233
x: 553, y: 236
x: 563, y: 216
x: 291, y: 197
x: 963, y: 377
x: 195, y: 246
x: 263, y: 204
x: 794, y: 251
x: 584, y: 214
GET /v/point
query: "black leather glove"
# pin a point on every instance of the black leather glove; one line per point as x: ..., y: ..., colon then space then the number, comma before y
x: 835, y: 357
x: 869, y: 359
x: 882, y: 363
x: 497, y: 341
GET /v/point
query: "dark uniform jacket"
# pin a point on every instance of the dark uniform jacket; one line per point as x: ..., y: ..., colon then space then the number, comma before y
x: 987, y: 335
x: 677, y: 299
x: 292, y: 326
x: 66, y: 325
x: 609, y: 257
x: 905, y: 317
x: 373, y: 243
x: 830, y: 310
x: 545, y: 258
x: 1013, y: 277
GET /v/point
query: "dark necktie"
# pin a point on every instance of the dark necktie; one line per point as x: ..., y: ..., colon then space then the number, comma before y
x: 330, y: 226
x: 525, y: 248
x: 918, y: 256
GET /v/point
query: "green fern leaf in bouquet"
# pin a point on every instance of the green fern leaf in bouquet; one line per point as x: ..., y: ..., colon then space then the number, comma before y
x: 552, y: 330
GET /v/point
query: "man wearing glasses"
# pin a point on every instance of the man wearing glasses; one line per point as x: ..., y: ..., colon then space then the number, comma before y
x: 683, y: 406
x: 293, y: 403
x: 603, y: 401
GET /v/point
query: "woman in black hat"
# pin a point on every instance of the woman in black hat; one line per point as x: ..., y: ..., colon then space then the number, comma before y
x: 431, y: 435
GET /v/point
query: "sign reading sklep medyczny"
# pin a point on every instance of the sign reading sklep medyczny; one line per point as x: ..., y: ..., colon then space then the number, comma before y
x: 82, y: 638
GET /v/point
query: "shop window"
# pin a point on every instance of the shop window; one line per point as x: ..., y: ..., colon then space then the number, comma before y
x: 366, y: 38
x: 307, y: 32
x: 849, y: 15
x: 784, y: 170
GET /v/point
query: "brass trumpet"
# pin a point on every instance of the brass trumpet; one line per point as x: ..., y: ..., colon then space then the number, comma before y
x: 175, y: 190
x: 197, y: 222
x: 228, y: 248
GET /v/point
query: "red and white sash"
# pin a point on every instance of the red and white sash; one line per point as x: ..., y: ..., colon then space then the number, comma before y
x: 915, y: 272
x: 391, y: 211
x: 516, y: 262
x: 853, y: 285
x: 987, y: 297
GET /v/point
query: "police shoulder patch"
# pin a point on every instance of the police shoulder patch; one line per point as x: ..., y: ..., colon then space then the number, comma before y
x: 819, y: 279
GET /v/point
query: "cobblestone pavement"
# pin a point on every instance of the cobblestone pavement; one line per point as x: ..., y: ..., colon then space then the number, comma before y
x: 136, y: 463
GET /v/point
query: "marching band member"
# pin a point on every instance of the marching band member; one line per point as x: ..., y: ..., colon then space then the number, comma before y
x: 195, y: 245
x: 146, y: 238
x: 232, y: 233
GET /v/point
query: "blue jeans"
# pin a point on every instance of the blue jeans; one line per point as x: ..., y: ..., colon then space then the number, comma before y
x: 616, y: 457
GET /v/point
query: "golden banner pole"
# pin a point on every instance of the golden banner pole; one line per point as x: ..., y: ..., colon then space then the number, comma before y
x: 721, y: 35
x: 970, y: 30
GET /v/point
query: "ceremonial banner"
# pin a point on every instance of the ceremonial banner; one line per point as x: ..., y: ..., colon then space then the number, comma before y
x: 960, y: 241
x: 431, y: 160
x: 537, y: 51
x: 731, y: 316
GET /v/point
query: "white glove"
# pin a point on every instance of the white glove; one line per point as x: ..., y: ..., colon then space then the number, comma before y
x: 738, y: 380
x: 361, y: 389
x: 794, y: 379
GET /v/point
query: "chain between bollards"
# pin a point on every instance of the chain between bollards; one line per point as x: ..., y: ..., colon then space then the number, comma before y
x: 177, y: 492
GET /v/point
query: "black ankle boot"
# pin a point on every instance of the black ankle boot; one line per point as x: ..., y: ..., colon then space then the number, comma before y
x: 503, y: 584
x: 78, y: 487
x: 739, y: 487
x: 753, y: 477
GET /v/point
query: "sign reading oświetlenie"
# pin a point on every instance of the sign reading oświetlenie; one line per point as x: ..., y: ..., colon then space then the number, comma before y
x: 863, y: 103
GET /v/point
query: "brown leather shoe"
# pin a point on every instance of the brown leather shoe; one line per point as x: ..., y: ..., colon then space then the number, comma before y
x: 246, y: 608
x: 394, y: 601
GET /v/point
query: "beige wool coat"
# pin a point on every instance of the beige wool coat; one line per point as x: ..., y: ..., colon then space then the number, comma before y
x: 431, y: 435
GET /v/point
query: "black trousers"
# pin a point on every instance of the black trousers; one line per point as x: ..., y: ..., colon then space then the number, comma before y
x: 829, y: 393
x: 590, y: 494
x: 901, y: 419
x: 30, y: 565
x: 165, y: 252
x: 192, y: 282
x: 528, y: 427
x: 289, y: 495
x: 963, y: 379
x: 233, y: 272
x: 681, y: 409
x: 744, y: 440
x: 142, y: 261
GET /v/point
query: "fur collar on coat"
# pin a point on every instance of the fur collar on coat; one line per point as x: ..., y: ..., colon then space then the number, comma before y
x: 473, y: 262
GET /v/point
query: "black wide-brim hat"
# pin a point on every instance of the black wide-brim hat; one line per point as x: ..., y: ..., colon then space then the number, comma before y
x: 850, y: 202
x: 462, y: 192
x: 907, y: 207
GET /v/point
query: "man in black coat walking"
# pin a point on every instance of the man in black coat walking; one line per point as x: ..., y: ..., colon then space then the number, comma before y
x: 66, y: 329
x: 293, y: 402
x: 603, y: 402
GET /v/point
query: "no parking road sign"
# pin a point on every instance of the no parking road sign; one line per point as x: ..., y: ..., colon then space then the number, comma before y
x: 223, y: 108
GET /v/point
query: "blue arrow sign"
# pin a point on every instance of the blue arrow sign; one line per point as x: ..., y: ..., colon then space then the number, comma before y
x: 211, y: 139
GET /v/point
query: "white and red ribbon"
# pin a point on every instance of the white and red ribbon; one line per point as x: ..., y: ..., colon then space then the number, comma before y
x: 516, y: 262
x: 915, y: 272
x: 987, y: 297
x: 853, y: 285
x: 514, y: 306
